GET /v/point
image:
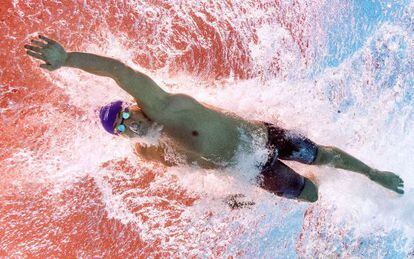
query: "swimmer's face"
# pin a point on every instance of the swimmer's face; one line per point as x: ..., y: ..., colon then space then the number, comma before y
x: 137, y: 125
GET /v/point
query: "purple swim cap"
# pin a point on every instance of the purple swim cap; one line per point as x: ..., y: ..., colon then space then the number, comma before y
x: 108, y: 114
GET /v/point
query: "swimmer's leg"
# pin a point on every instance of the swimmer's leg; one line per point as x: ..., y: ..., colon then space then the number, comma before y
x: 284, y: 181
x: 310, y: 192
x: 333, y: 156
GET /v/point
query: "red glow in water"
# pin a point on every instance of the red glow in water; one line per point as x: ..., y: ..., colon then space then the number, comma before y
x: 198, y: 40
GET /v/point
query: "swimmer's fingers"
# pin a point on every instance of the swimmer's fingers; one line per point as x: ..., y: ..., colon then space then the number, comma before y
x: 35, y: 55
x: 50, y: 41
x: 36, y: 49
x: 39, y: 43
x: 52, y: 53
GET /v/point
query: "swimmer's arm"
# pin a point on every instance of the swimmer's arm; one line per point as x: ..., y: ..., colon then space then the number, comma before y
x: 153, y: 153
x: 157, y: 153
x: 148, y: 94
x: 192, y: 158
x: 150, y: 97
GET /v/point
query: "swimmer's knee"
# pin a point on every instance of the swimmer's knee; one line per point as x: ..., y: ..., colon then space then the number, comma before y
x: 309, y: 192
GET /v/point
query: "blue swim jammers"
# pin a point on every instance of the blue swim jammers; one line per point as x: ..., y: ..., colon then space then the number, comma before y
x: 277, y: 177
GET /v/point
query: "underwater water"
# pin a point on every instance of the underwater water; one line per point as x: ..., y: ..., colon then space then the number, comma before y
x: 340, y: 72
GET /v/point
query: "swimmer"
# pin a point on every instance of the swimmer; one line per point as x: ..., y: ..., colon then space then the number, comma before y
x: 205, y: 135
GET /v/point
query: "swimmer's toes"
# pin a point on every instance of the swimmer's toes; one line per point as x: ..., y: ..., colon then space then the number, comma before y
x: 398, y: 180
x: 400, y: 190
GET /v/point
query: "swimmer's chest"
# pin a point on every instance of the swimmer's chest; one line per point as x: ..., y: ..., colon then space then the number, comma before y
x: 202, y: 130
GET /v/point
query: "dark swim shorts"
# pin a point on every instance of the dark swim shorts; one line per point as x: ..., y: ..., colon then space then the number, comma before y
x: 283, y: 144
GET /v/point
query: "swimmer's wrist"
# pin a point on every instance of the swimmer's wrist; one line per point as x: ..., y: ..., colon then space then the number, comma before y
x: 80, y: 60
x: 68, y: 60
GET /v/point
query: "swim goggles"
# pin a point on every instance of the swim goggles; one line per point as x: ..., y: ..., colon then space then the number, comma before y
x: 121, y: 126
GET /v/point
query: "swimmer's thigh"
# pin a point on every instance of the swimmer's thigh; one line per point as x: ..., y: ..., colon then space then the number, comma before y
x: 298, y: 148
x: 282, y: 180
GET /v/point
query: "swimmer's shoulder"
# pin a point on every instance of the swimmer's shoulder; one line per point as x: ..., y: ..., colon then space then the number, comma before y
x: 181, y: 102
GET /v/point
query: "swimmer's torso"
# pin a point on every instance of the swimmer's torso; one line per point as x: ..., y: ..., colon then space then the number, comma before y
x: 205, y: 131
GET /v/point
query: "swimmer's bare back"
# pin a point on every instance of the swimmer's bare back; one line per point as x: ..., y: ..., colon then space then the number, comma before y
x: 205, y: 132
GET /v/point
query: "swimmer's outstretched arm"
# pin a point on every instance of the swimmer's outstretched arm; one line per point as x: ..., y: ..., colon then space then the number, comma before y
x: 150, y: 97
x: 333, y: 156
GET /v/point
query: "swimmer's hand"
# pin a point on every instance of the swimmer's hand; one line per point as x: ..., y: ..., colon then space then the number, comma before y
x: 234, y: 202
x: 51, y: 52
x: 388, y: 179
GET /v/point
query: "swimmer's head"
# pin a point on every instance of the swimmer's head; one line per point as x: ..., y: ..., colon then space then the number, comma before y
x: 124, y: 121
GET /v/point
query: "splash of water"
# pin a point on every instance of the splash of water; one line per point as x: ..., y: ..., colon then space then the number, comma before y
x: 64, y: 179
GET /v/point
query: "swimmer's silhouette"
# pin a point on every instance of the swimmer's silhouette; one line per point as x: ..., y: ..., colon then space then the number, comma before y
x: 204, y: 134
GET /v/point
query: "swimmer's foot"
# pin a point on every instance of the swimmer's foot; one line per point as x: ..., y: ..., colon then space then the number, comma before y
x: 234, y: 201
x: 388, y: 180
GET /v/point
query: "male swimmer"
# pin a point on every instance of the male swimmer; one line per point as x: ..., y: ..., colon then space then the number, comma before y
x: 203, y: 134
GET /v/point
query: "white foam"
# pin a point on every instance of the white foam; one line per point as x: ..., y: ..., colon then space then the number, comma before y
x: 374, y: 123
